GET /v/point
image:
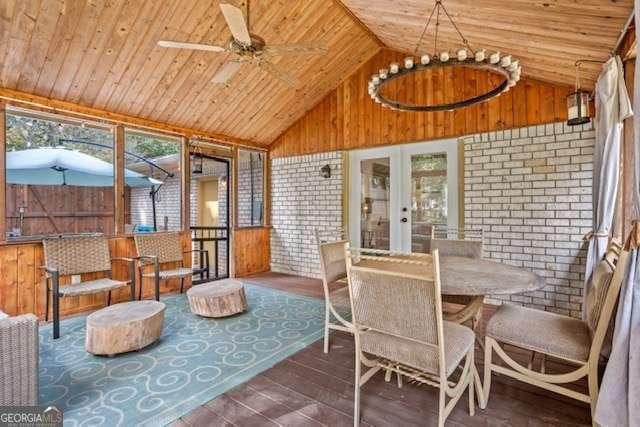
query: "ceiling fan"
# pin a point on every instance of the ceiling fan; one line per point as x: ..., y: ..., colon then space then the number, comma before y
x: 248, y: 47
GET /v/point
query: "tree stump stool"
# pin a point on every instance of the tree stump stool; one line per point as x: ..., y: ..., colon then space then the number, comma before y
x: 217, y: 299
x: 124, y: 327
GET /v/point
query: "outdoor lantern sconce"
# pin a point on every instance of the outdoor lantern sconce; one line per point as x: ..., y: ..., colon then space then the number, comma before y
x: 325, y: 171
x: 578, y: 102
x: 196, y: 162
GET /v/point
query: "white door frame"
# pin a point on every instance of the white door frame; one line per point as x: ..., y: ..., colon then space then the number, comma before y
x: 400, y: 192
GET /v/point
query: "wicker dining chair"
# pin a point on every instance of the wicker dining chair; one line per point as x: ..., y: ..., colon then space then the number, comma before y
x: 159, y: 248
x: 333, y: 269
x: 74, y: 256
x: 397, y: 319
x: 462, y: 246
x: 566, y: 338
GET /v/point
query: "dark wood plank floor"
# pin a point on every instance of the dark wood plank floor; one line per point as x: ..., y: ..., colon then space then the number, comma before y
x: 311, y: 388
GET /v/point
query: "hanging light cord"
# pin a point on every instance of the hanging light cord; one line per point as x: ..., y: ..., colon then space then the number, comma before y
x: 437, y: 8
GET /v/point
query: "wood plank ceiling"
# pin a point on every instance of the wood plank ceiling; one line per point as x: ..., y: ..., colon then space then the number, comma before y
x: 103, y: 54
x: 547, y: 36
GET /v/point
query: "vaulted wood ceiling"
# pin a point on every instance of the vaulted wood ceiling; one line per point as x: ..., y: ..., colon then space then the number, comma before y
x: 547, y: 36
x: 103, y: 54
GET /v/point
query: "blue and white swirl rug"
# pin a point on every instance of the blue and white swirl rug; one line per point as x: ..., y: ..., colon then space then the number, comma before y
x: 195, y: 360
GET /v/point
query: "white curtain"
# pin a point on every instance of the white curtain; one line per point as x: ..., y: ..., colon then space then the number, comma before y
x: 612, y: 107
x: 619, y: 399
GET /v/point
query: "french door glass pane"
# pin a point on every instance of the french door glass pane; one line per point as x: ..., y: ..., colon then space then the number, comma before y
x: 375, y: 203
x: 428, y: 197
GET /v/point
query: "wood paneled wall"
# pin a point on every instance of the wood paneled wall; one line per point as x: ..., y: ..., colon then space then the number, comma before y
x: 251, y: 250
x: 347, y: 118
x: 22, y: 288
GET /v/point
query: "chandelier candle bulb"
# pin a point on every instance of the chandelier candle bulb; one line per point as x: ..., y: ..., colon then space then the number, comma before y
x: 383, y: 73
x: 462, y: 54
x: 444, y: 56
x: 480, y: 55
x: 505, y: 61
x: 424, y: 59
x: 394, y: 68
x: 513, y: 66
x: 408, y: 62
x: 375, y: 79
x: 494, y: 58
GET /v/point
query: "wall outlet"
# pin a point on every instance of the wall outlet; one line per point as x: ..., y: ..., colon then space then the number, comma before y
x: 75, y: 279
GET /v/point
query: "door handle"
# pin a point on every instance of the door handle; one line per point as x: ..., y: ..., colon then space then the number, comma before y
x: 404, y: 220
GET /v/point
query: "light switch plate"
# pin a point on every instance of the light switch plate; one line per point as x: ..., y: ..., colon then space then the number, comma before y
x: 75, y: 278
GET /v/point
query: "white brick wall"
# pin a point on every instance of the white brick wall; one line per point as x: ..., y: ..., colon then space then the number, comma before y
x: 301, y: 201
x: 530, y: 190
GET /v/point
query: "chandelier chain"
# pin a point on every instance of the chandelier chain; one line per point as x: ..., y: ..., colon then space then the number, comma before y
x: 464, y: 40
x: 435, y: 37
x: 424, y: 31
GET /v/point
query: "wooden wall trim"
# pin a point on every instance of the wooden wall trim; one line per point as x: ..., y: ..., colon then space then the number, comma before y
x: 119, y: 181
x: 71, y: 109
x: 3, y: 176
x: 185, y: 173
x: 348, y: 119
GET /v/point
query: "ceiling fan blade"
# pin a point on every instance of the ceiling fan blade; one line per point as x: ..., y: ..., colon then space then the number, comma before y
x: 300, y: 48
x: 194, y: 46
x: 226, y: 72
x: 283, y: 76
x: 236, y: 22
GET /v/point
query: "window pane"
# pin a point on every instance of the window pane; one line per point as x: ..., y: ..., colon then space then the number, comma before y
x: 375, y: 203
x: 154, y: 187
x: 59, y: 176
x: 429, y: 189
x: 250, y: 188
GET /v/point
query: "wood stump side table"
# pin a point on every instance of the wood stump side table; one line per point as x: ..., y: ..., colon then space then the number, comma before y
x: 217, y: 299
x: 124, y: 327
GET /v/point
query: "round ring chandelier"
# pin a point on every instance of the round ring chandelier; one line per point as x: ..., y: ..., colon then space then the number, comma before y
x: 503, y: 65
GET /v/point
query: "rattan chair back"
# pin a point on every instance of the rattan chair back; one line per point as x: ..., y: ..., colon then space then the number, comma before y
x: 77, y: 255
x: 167, y: 246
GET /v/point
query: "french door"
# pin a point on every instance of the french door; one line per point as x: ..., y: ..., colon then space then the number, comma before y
x: 397, y: 193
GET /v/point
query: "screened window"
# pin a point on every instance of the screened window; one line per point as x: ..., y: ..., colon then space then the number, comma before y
x: 59, y: 176
x: 250, y: 188
x: 153, y: 182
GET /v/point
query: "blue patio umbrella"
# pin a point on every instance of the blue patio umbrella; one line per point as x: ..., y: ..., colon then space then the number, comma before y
x: 64, y: 166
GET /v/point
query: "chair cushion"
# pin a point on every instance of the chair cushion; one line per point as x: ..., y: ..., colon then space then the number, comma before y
x: 3, y: 315
x: 169, y: 274
x: 541, y: 331
x: 458, y: 340
x: 340, y: 297
x: 90, y: 287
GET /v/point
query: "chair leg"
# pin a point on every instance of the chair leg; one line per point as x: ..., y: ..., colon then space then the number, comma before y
x: 441, y: 405
x: 326, y: 327
x: 46, y: 313
x: 399, y: 379
x: 593, y: 389
x: 472, y: 403
x: 141, y: 282
x: 56, y: 314
x: 356, y: 400
x: 181, y: 284
x: 488, y: 351
x: 108, y: 298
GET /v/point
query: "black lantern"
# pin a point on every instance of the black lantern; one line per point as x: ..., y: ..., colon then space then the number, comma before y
x: 325, y: 171
x: 578, y: 108
x: 196, y: 163
x: 578, y: 103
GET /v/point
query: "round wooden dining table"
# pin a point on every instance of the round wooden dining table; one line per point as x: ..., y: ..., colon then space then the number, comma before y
x: 471, y: 276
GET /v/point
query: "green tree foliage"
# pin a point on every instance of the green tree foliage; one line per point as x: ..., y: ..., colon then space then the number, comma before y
x: 25, y: 132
